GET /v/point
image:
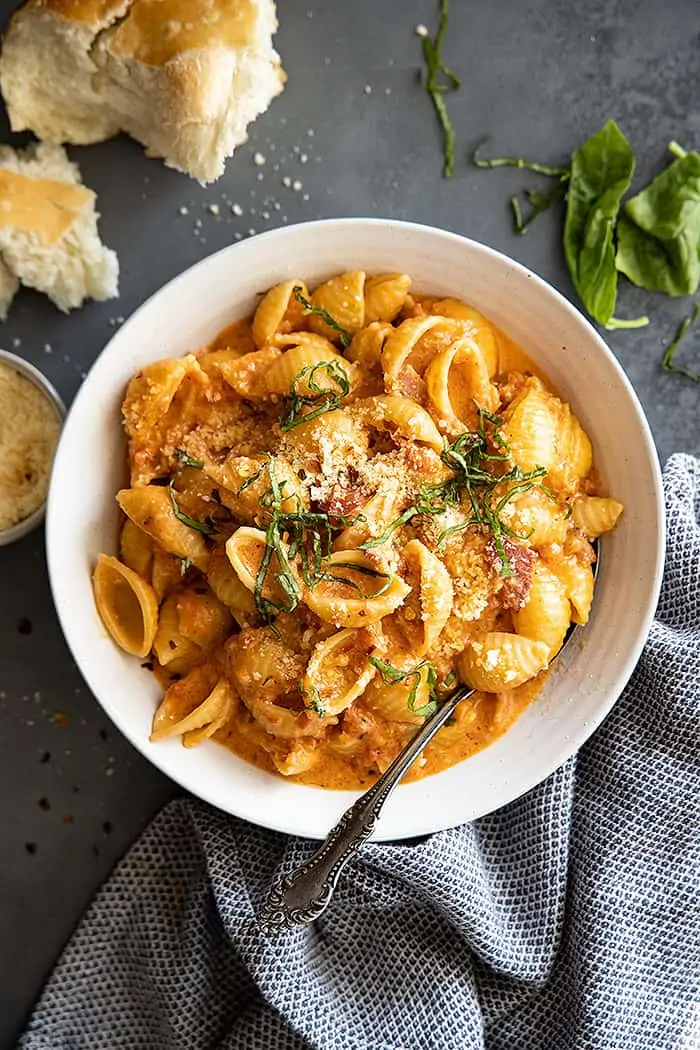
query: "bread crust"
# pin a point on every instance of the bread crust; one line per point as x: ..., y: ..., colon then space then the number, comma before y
x: 183, y: 77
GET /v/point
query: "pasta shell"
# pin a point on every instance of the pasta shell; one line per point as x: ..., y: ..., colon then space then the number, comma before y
x: 420, y: 620
x: 228, y: 588
x: 535, y: 518
x: 574, y: 445
x: 173, y: 650
x: 245, y: 482
x: 385, y: 294
x: 338, y: 670
x: 457, y: 380
x: 245, y: 550
x: 479, y: 330
x: 247, y: 375
x: 127, y: 605
x: 151, y: 391
x: 343, y: 298
x: 595, y: 515
x: 498, y: 662
x: 136, y: 549
x: 166, y: 573
x: 373, y: 519
x: 282, y: 373
x: 272, y: 309
x: 403, y: 416
x: 391, y: 700
x: 546, y: 613
x: 337, y: 602
x: 203, y: 619
x: 301, y: 757
x: 578, y: 583
x: 366, y: 347
x: 403, y: 348
x: 530, y: 428
x: 209, y: 713
x: 237, y: 338
x: 150, y: 507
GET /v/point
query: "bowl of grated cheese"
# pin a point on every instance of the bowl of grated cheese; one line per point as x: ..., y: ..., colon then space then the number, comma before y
x: 31, y: 416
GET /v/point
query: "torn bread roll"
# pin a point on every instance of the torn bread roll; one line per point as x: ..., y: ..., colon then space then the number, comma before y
x: 183, y: 77
x: 48, y: 230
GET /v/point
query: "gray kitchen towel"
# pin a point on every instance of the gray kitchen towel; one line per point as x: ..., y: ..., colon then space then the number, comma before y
x: 568, y: 920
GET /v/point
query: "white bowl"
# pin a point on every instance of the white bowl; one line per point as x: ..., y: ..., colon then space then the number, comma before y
x: 188, y: 312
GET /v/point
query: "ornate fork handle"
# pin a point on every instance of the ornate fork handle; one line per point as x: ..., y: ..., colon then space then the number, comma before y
x: 303, y: 894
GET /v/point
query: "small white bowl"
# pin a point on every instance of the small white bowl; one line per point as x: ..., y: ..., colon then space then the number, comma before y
x: 27, y: 525
x: 188, y: 312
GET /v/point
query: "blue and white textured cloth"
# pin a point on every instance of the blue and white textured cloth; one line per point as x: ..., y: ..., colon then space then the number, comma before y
x: 568, y: 920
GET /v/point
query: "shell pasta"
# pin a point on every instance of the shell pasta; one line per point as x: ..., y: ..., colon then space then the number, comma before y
x: 336, y: 511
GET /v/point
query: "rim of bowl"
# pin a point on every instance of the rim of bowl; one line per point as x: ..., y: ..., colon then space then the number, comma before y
x: 624, y: 672
x: 39, y: 380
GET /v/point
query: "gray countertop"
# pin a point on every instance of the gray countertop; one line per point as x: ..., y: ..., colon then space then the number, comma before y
x: 356, y: 128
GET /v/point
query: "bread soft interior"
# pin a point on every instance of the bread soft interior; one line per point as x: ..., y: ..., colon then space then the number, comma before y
x: 183, y: 77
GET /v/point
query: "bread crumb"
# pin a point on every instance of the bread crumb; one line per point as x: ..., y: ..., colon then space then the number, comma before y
x: 48, y: 349
x: 236, y: 209
x: 214, y: 209
x: 286, y: 181
x: 368, y: 89
x: 16, y: 342
x: 251, y: 232
x: 258, y: 159
x: 296, y: 185
x: 184, y: 210
x: 420, y: 30
x: 303, y: 158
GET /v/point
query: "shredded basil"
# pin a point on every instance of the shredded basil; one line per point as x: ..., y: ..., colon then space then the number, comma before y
x: 440, y: 79
x: 205, y: 527
x: 320, y: 400
x: 187, y: 460
x: 309, y: 308
x: 518, y: 162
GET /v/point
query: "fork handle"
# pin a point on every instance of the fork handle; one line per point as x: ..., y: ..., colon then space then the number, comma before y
x: 303, y: 894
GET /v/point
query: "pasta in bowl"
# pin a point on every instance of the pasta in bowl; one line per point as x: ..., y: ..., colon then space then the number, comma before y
x: 337, y: 509
x: 85, y: 521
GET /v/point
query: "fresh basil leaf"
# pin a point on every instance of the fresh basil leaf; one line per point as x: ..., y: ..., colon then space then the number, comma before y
x: 601, y: 171
x: 659, y: 231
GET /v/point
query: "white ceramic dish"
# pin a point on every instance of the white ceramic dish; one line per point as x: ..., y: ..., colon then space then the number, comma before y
x: 27, y: 525
x: 90, y: 466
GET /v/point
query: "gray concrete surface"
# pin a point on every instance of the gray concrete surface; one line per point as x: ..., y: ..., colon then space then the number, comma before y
x: 538, y: 77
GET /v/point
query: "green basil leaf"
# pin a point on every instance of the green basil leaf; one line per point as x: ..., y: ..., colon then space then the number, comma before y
x: 659, y: 231
x: 601, y: 171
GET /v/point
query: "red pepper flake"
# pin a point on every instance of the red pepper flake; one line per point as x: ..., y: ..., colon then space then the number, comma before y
x: 60, y: 718
x: 67, y: 819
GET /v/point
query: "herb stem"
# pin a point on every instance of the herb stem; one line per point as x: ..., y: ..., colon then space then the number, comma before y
x: 676, y: 149
x: 518, y: 162
x: 619, y: 322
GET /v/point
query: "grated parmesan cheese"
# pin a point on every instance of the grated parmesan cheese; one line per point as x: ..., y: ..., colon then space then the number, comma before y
x: 29, y: 427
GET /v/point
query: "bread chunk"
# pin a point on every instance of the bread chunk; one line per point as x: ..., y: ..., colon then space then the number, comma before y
x: 48, y: 230
x: 183, y: 77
